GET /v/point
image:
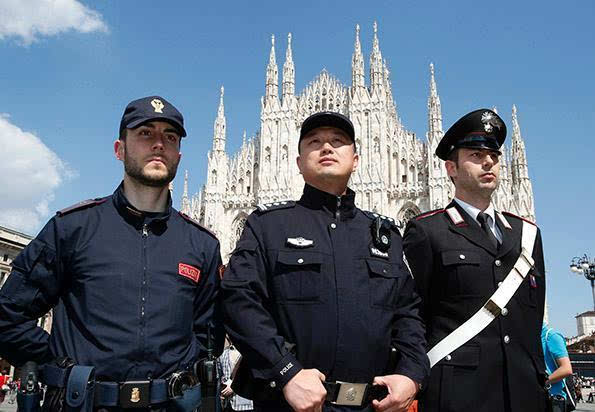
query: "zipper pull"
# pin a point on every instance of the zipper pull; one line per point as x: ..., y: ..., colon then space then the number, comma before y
x: 145, y: 230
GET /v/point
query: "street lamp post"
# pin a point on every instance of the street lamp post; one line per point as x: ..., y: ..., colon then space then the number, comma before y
x: 586, y: 267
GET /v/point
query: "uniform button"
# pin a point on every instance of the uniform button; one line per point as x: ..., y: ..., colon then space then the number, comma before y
x: 498, y: 263
x: 273, y: 384
x: 506, y: 339
x: 499, y: 284
x: 447, y: 357
x: 143, y: 298
x: 300, y: 260
x: 333, y: 226
x: 504, y: 311
x: 462, y: 257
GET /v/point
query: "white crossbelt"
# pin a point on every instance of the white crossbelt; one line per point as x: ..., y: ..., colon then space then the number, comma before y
x: 498, y: 301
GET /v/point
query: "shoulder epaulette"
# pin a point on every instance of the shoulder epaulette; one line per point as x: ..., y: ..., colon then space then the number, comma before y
x: 82, y: 205
x: 195, y: 223
x: 374, y: 215
x: 267, y: 207
x: 428, y: 214
x: 518, y: 217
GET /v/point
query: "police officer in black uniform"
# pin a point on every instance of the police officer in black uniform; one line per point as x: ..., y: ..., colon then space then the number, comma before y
x: 132, y: 282
x: 316, y: 295
x: 459, y: 256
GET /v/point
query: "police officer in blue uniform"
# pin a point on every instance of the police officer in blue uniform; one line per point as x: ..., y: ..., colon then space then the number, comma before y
x: 132, y: 282
x: 460, y: 256
x: 317, y: 297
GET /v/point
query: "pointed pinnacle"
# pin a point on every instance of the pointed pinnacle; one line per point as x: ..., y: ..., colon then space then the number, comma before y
x: 357, y: 30
x: 375, y: 27
x: 514, y: 109
x: 272, y: 40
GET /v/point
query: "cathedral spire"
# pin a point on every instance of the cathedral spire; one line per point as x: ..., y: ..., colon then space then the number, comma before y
x: 272, y: 78
x: 519, y: 171
x: 376, y: 75
x: 219, y: 127
x: 518, y: 155
x: 185, y: 200
x: 357, y: 64
x: 288, y: 72
x: 434, y: 111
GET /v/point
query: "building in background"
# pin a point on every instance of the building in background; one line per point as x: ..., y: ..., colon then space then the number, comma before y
x: 398, y: 176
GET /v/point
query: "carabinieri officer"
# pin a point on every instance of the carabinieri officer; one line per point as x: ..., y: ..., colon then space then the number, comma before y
x: 317, y: 297
x: 480, y: 273
x: 132, y: 282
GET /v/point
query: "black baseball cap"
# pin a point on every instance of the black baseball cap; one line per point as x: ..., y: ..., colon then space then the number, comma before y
x: 327, y: 119
x: 480, y: 129
x: 151, y: 108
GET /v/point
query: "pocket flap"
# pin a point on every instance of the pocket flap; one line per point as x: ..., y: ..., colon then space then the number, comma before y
x: 460, y: 257
x: 299, y: 257
x: 384, y: 269
x: 466, y: 355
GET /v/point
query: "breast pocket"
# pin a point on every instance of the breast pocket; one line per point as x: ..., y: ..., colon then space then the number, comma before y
x: 384, y: 283
x: 462, y: 272
x: 298, y: 276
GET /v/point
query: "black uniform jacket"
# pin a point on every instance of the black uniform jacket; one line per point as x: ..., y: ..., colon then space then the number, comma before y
x: 132, y: 292
x: 456, y: 270
x: 341, y: 304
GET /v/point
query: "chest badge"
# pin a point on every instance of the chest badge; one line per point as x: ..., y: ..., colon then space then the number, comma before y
x: 299, y: 242
x: 381, y: 235
x: 189, y: 272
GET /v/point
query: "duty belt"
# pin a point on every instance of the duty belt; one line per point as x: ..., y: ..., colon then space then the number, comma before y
x: 353, y: 394
x: 129, y: 394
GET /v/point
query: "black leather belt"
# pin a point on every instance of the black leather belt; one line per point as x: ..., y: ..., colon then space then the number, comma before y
x: 353, y: 394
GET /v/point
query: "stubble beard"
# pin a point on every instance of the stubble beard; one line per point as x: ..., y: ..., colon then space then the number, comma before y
x: 136, y: 171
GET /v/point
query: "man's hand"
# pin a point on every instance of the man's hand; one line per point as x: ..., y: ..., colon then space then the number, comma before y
x: 227, y: 391
x: 304, y: 392
x: 401, y: 392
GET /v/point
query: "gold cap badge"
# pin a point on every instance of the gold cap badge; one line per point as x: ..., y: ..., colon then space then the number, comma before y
x: 157, y: 105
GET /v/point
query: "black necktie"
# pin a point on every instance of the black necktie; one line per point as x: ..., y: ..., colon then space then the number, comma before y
x: 482, y: 218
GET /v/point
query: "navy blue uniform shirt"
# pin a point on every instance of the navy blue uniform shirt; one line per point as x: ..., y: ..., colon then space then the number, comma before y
x: 308, y: 273
x: 132, y: 292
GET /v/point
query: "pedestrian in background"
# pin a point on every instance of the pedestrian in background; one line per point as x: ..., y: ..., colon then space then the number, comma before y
x: 558, y: 368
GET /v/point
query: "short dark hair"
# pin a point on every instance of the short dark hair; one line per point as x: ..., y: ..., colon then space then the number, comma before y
x: 123, y: 134
x: 453, y: 156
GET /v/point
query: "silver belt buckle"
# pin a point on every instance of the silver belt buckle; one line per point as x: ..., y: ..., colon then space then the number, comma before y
x: 350, y: 394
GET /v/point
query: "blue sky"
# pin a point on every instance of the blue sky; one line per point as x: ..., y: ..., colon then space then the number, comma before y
x: 67, y: 74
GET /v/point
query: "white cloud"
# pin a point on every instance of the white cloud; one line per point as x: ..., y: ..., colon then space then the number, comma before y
x: 27, y: 20
x: 29, y: 175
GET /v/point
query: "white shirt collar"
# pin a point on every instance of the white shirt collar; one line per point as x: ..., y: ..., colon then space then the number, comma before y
x: 473, y: 211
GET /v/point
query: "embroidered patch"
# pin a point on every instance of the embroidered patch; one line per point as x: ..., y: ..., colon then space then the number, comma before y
x: 299, y: 242
x: 189, y: 272
x: 379, y: 253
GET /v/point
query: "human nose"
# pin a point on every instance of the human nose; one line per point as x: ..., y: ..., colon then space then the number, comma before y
x: 158, y: 142
x: 327, y: 147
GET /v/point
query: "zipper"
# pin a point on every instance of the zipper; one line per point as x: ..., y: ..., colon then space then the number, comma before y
x: 145, y: 234
x: 338, y: 212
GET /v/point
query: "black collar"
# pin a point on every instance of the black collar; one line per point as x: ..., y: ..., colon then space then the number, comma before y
x: 138, y: 217
x: 317, y: 199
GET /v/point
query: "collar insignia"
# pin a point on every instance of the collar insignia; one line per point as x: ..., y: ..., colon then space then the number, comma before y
x: 299, y: 242
x: 455, y: 216
x: 157, y: 105
x: 504, y: 221
x: 378, y: 252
